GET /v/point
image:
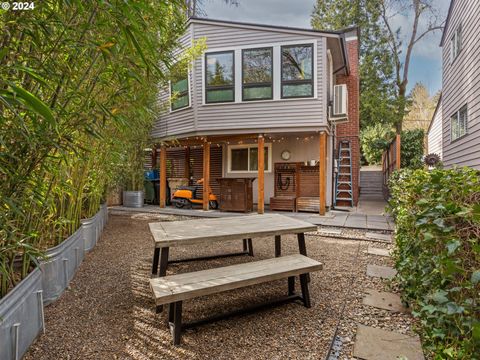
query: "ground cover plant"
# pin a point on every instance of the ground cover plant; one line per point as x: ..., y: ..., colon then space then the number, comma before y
x: 437, y: 216
x: 78, y: 88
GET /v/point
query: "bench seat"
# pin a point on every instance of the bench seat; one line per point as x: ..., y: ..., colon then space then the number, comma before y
x: 174, y: 289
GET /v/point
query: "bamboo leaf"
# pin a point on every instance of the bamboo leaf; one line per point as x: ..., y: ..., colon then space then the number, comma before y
x: 34, y: 103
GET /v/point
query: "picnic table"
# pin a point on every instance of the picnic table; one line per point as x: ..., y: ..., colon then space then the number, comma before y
x: 208, y: 231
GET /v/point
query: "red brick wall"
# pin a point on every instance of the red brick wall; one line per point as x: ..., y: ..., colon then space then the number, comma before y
x: 351, y: 130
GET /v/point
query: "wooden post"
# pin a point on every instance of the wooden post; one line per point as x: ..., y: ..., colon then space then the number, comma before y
x: 163, y: 176
x: 322, y: 172
x: 261, y: 171
x: 187, y: 163
x: 206, y: 173
x: 398, y: 152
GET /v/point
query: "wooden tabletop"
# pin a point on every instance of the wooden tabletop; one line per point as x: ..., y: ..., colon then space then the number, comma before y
x: 189, y: 232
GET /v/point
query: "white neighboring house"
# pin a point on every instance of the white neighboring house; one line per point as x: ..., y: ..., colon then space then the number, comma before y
x: 434, y: 134
x: 461, y: 85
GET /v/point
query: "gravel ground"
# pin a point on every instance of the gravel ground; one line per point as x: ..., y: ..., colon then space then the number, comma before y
x: 108, y: 311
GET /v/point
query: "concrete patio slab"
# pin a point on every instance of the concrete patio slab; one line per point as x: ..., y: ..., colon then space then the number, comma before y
x: 377, y: 344
x: 384, y: 272
x: 377, y: 251
x: 327, y: 231
x: 378, y: 225
x: 384, y: 300
x: 379, y: 237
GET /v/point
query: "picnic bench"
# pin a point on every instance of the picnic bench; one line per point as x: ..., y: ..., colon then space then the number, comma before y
x: 174, y: 289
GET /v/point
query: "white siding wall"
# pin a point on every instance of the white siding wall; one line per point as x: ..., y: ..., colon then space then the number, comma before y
x: 461, y: 85
x: 435, y: 133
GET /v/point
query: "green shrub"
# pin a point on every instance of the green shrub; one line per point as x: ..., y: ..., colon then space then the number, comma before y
x: 437, y: 216
x: 374, y: 141
x: 412, y: 148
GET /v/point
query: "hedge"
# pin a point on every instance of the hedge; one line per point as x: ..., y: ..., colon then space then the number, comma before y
x: 437, y: 215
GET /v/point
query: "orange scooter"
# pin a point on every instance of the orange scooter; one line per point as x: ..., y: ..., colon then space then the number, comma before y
x: 186, y: 196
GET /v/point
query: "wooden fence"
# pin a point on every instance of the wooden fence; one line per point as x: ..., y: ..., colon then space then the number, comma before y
x: 390, y: 163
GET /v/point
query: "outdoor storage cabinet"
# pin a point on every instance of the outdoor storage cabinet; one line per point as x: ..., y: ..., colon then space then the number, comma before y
x: 236, y: 194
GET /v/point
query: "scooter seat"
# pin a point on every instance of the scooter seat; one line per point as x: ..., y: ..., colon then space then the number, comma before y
x: 191, y: 188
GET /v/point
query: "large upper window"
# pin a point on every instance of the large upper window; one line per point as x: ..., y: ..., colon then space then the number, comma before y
x: 297, y: 71
x: 456, y: 43
x: 459, y: 123
x: 244, y: 158
x: 220, y: 77
x: 257, y: 74
x: 179, y: 92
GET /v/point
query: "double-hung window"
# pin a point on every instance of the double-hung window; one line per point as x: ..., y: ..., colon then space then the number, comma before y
x: 456, y: 43
x: 179, y: 92
x: 459, y: 123
x: 220, y: 77
x: 257, y: 74
x: 297, y: 71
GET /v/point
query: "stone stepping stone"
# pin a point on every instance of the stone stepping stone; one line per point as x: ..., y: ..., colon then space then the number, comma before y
x: 377, y: 344
x: 384, y: 272
x: 384, y: 300
x: 379, y: 237
x: 377, y: 251
x: 330, y: 231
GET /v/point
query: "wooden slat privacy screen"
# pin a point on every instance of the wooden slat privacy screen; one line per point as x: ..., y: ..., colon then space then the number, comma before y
x: 176, y: 165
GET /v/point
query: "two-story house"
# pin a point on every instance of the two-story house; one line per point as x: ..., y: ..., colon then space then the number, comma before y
x: 260, y: 94
x: 460, y: 104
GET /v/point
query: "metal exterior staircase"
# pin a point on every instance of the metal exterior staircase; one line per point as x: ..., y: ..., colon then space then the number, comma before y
x: 343, y: 179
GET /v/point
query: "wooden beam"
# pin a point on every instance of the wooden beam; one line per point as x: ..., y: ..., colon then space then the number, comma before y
x: 261, y: 171
x: 163, y: 176
x: 398, y: 152
x: 200, y: 140
x: 206, y: 173
x: 322, y: 172
x: 187, y: 163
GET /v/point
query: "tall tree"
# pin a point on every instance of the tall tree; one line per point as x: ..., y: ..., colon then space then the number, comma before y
x: 420, y: 109
x: 385, y: 51
x: 377, y: 96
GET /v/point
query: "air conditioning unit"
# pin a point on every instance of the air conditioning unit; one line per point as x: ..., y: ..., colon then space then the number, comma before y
x: 339, y: 110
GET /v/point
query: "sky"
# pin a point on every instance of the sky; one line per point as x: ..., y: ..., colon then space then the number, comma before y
x: 426, y: 63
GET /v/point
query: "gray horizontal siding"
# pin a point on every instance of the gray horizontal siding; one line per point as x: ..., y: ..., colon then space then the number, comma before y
x: 461, y: 85
x: 180, y: 121
x: 245, y: 116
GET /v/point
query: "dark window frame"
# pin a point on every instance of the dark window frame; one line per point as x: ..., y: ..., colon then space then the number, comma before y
x: 219, y: 87
x: 454, y: 39
x: 181, y: 94
x: 297, y: 82
x: 260, y: 84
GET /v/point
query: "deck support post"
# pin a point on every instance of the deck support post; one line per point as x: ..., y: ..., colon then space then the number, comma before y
x: 163, y: 176
x: 206, y: 173
x: 261, y: 171
x: 322, y: 173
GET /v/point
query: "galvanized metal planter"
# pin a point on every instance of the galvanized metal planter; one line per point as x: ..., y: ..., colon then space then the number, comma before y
x: 104, y: 209
x: 133, y: 199
x: 21, y: 317
x: 89, y: 233
x: 61, y: 265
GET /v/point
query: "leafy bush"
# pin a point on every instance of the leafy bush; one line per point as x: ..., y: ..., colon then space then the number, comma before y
x: 412, y: 148
x: 374, y: 141
x: 437, y: 216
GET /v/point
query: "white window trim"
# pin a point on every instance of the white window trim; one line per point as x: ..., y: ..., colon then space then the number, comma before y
x: 244, y: 146
x: 456, y: 116
x: 277, y: 71
x: 189, y: 95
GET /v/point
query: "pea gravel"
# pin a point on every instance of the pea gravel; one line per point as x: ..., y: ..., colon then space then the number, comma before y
x: 108, y: 312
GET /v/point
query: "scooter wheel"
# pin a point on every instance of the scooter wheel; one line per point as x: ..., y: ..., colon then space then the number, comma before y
x: 213, y: 204
x: 180, y: 203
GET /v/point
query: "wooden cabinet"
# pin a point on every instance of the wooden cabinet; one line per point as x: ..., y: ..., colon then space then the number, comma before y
x: 236, y: 194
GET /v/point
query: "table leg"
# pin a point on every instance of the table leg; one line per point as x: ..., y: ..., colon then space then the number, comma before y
x: 291, y: 285
x: 278, y: 246
x: 302, y: 248
x: 177, y: 323
x: 163, y: 261
x: 305, y: 292
x: 250, y: 247
x: 245, y: 246
x: 156, y: 255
